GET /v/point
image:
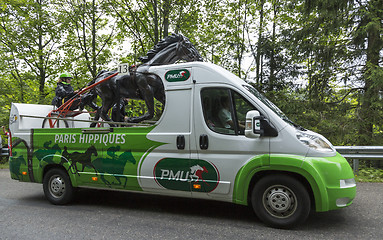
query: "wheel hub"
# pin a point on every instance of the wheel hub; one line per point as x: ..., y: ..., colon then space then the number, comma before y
x: 57, y: 186
x: 279, y: 201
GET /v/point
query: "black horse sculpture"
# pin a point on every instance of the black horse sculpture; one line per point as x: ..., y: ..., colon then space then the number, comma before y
x: 139, y: 83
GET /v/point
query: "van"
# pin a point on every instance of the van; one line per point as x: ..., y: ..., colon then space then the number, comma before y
x: 218, y: 138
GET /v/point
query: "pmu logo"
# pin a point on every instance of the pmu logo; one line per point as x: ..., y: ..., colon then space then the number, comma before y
x: 177, y: 75
x: 183, y: 174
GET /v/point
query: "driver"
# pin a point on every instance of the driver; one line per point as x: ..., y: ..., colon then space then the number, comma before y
x: 64, y: 91
x: 225, y: 115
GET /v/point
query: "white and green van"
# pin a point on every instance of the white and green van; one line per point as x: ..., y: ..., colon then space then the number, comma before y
x: 217, y: 138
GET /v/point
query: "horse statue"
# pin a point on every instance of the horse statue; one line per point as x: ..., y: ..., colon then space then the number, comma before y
x: 84, y: 158
x: 139, y: 83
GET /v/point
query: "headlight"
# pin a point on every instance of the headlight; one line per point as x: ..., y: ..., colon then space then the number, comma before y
x: 315, y: 142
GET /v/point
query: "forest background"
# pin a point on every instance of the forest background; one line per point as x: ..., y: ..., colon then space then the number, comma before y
x: 319, y: 61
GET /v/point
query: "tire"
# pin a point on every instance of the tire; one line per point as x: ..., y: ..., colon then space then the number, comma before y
x: 57, y: 187
x: 280, y: 201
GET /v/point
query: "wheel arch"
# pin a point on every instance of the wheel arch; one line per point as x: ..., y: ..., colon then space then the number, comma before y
x: 258, y: 175
x: 310, y: 178
x: 52, y: 166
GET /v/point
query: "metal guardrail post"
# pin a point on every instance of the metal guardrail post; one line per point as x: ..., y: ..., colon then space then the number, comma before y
x: 355, y: 165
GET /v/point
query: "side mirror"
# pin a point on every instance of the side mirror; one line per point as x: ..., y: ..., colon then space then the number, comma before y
x: 258, y: 126
x: 253, y: 124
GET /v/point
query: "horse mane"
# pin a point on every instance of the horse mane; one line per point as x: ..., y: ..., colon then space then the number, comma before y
x: 160, y: 46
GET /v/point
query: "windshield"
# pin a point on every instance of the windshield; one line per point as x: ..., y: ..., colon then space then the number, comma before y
x: 271, y: 105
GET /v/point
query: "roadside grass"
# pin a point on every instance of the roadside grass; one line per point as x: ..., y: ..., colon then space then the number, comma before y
x: 369, y: 175
x: 4, y: 165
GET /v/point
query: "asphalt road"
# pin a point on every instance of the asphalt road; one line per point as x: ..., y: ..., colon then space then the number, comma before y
x: 25, y: 214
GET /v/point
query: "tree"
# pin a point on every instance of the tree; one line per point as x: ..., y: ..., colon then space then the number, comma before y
x: 364, y: 21
x: 369, y: 38
x: 89, y: 35
x: 146, y: 22
x: 29, y: 42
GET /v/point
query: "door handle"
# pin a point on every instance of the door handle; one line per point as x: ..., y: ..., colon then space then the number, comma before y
x: 181, y: 142
x: 203, y: 141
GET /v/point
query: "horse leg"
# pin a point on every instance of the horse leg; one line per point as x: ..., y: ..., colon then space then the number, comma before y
x: 126, y: 181
x: 63, y: 161
x: 88, y: 99
x: 74, y: 166
x: 147, y: 94
x: 95, y: 170
x: 96, y: 118
x: 105, y: 181
x: 118, y: 179
x: 103, y: 113
x: 106, y: 105
x: 160, y: 96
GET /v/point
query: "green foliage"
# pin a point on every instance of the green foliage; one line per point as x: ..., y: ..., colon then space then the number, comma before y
x: 29, y: 43
x: 4, y: 163
x: 138, y: 108
x: 370, y: 175
x: 318, y: 60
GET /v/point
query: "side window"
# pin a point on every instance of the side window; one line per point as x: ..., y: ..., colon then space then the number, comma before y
x: 241, y: 106
x: 224, y: 110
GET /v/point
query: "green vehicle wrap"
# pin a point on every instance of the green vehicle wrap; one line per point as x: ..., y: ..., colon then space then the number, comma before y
x: 91, y: 159
x: 114, y: 160
x: 323, y: 174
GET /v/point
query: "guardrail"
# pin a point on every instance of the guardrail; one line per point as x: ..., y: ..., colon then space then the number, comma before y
x: 4, y: 152
x: 356, y: 153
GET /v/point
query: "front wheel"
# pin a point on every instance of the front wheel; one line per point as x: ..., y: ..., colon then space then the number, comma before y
x: 57, y: 187
x: 280, y: 201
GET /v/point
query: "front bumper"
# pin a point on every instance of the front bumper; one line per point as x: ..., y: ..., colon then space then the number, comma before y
x: 342, y: 196
x: 336, y: 183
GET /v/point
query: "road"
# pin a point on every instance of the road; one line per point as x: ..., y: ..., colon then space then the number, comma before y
x: 25, y: 214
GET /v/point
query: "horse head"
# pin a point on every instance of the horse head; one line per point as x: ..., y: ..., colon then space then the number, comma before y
x: 92, y: 150
x: 186, y: 50
x: 169, y: 50
x: 112, y: 151
x: 46, y: 144
x: 56, y: 148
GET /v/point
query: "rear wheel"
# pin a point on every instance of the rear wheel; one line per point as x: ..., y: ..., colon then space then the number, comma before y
x: 57, y: 186
x: 280, y: 201
x: 55, y: 123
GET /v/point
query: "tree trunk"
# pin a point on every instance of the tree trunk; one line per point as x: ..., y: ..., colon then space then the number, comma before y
x: 41, y: 67
x: 272, y: 57
x: 371, y: 91
x: 155, y: 20
x: 258, y: 58
x: 93, y: 69
x: 166, y: 8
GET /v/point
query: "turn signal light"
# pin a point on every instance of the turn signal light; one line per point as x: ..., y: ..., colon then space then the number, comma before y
x: 24, y: 173
x: 94, y: 178
x: 196, y: 186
